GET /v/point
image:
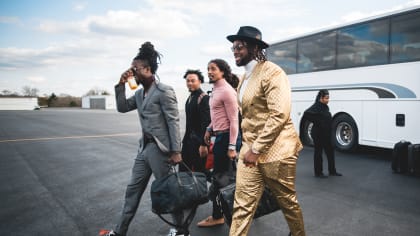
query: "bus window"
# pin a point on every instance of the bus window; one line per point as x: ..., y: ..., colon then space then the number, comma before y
x: 405, y: 37
x: 363, y: 45
x: 284, y: 55
x: 316, y: 52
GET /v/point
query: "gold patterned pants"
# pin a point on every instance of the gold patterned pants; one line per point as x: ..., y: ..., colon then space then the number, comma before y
x: 279, y: 176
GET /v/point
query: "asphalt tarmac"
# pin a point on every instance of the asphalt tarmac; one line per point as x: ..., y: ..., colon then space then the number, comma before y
x: 64, y: 172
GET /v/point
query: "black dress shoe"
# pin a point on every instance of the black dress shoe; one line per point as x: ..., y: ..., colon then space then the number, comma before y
x: 336, y: 174
x: 321, y: 175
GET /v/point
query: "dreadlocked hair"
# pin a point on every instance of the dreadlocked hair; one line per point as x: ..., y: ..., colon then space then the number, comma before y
x: 232, y: 79
x: 256, y: 51
x: 149, y: 56
x: 261, y: 56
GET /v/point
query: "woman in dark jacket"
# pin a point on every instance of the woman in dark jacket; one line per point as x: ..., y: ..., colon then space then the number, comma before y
x: 319, y: 114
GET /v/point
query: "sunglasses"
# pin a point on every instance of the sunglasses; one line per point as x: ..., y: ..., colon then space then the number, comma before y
x: 238, y: 47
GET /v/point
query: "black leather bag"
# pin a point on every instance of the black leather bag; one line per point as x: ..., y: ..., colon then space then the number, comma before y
x: 226, y: 196
x: 178, y: 191
x: 222, y: 179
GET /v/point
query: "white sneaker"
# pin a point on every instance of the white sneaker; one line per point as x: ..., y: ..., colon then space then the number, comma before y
x: 173, y: 232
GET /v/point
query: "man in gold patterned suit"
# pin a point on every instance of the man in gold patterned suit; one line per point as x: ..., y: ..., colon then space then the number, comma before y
x: 270, y: 143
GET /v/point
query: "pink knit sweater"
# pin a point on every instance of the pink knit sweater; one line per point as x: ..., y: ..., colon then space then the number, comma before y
x: 224, y: 109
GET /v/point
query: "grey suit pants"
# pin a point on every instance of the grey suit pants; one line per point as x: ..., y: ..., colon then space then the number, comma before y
x: 150, y: 161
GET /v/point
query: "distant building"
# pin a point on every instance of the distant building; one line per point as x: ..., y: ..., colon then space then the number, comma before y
x: 104, y: 102
x: 18, y: 103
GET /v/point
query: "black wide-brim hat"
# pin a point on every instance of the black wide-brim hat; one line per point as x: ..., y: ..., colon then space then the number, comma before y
x: 248, y: 33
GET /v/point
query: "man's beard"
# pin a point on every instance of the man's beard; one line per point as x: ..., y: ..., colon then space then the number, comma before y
x: 245, y: 60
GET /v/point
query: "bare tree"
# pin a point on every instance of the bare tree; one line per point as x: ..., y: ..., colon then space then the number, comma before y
x: 30, y: 92
x: 6, y: 92
x: 97, y: 91
x: 104, y: 92
x: 91, y: 92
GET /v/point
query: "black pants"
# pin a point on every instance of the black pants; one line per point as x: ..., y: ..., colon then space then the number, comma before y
x: 191, y: 156
x: 222, y: 163
x: 323, y: 144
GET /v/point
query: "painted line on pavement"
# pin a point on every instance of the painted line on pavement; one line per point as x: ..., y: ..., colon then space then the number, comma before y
x: 68, y: 137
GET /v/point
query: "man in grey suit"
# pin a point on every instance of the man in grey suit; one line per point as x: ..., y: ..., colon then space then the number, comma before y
x: 160, y: 144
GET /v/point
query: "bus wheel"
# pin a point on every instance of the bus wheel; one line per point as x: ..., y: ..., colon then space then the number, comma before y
x: 305, y: 132
x: 345, y: 133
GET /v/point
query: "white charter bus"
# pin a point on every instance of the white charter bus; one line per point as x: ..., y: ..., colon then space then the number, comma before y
x: 372, y: 70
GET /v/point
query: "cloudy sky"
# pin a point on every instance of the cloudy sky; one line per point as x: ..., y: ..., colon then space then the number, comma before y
x: 70, y: 47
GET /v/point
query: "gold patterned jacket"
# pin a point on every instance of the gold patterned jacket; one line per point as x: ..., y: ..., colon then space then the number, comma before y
x: 265, y: 108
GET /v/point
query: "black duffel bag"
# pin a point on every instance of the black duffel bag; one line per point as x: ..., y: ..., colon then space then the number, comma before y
x: 222, y: 179
x: 178, y: 191
x: 226, y: 196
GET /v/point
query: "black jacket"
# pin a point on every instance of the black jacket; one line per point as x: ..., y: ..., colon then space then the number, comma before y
x: 320, y: 115
x: 197, y: 117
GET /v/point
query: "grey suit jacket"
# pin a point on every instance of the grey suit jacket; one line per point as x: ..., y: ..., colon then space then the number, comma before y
x: 158, y: 113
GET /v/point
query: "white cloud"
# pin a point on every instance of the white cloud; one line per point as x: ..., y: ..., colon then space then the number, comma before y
x: 353, y: 16
x: 36, y: 79
x: 100, y: 38
x: 9, y: 20
x: 96, y: 51
x: 79, y: 6
x: 191, y: 6
x: 216, y: 50
x: 15, y: 58
x: 286, y: 33
x: 63, y: 27
x: 97, y: 48
x: 357, y: 15
x: 233, y: 9
x: 160, y: 23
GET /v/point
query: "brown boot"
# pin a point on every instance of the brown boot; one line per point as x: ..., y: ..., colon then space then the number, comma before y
x: 209, y: 222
